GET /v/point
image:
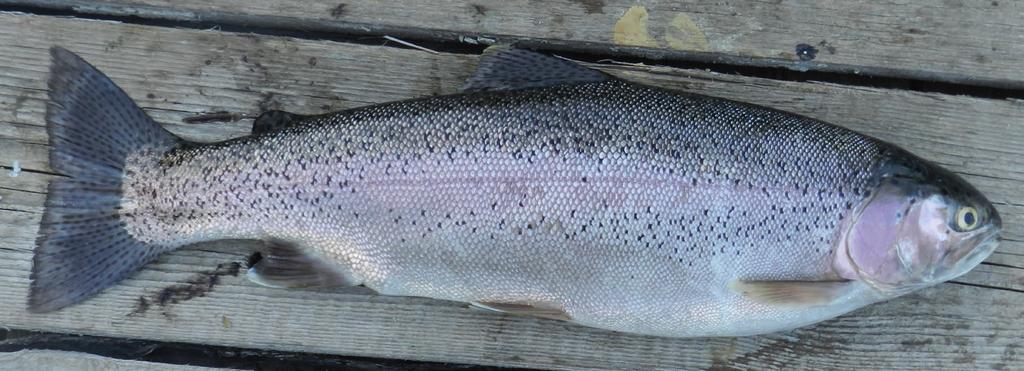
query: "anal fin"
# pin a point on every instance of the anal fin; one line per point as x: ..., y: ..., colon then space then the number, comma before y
x: 542, y: 311
x: 287, y: 265
x: 792, y: 293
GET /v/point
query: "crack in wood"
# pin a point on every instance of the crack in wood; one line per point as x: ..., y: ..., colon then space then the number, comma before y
x: 19, y: 210
x: 36, y: 171
x: 979, y: 285
x: 23, y: 190
x: 1001, y: 265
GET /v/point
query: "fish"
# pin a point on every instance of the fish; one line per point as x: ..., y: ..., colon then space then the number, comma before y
x: 543, y: 188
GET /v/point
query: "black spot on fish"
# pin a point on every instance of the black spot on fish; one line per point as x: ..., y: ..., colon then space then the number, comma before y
x: 806, y: 52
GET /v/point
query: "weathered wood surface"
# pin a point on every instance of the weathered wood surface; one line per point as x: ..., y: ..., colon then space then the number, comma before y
x: 55, y: 360
x: 176, y: 73
x: 964, y: 41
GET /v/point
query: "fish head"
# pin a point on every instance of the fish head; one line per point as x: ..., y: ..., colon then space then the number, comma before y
x: 919, y: 226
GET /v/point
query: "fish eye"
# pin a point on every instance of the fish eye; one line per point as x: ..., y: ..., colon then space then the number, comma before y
x: 966, y: 218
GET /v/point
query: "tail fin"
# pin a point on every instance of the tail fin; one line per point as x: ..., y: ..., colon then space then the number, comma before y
x: 93, y: 127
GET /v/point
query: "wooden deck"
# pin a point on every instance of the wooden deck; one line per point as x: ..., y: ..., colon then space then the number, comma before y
x: 312, y: 57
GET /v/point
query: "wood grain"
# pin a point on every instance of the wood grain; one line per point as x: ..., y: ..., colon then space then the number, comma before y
x: 962, y: 41
x: 176, y: 73
x: 55, y: 360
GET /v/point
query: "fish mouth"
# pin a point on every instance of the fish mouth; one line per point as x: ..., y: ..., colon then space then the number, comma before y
x: 960, y: 261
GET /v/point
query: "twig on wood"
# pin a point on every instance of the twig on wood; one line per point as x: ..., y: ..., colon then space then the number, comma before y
x: 222, y: 116
x: 409, y: 44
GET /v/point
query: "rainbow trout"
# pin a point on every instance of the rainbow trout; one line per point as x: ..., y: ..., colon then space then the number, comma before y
x: 544, y: 189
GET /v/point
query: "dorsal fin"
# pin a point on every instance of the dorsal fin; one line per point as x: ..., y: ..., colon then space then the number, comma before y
x: 273, y: 120
x: 507, y: 68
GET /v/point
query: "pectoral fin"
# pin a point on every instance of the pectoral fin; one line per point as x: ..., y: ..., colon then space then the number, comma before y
x: 791, y: 293
x: 286, y: 265
x: 542, y: 311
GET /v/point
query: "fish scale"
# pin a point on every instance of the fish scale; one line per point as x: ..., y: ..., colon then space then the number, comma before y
x: 545, y: 189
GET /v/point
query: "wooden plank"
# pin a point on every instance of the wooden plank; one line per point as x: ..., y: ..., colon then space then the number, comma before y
x: 175, y: 73
x: 55, y: 360
x: 961, y: 41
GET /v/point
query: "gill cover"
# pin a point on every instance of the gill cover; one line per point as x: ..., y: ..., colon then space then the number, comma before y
x: 878, y: 244
x: 921, y: 225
